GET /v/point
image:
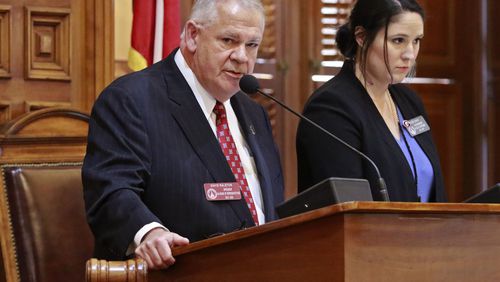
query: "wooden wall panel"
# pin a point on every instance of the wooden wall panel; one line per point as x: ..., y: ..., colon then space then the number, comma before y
x: 493, y: 35
x: 18, y: 87
x: 47, y: 43
x: 472, y: 76
x: 60, y: 53
x: 437, y: 56
x: 96, y: 41
x: 494, y: 90
x: 5, y: 26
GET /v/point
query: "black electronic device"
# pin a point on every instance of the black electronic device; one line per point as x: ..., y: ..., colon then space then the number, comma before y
x: 328, y: 192
x: 491, y: 196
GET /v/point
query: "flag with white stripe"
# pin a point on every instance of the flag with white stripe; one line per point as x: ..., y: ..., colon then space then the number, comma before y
x: 155, y: 31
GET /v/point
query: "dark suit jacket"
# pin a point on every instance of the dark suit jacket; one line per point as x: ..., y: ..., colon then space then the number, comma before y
x: 151, y: 149
x: 344, y: 108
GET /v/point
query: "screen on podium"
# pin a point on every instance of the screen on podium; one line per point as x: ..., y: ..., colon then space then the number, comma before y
x: 327, y: 192
x: 492, y: 196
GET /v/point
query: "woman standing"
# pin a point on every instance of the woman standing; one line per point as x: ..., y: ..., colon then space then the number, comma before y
x: 366, y: 106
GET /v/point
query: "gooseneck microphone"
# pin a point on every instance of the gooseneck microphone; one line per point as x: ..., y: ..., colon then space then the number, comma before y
x: 250, y: 85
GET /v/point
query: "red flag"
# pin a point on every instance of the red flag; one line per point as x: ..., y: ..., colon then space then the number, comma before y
x: 171, y: 26
x: 155, y: 31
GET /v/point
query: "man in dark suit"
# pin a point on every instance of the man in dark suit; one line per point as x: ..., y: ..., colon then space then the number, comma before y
x: 153, y: 145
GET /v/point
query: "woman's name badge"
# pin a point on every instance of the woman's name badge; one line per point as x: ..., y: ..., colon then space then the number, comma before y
x: 225, y: 191
x: 416, y: 126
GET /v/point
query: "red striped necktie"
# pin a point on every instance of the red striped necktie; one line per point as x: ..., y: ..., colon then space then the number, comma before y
x: 233, y: 158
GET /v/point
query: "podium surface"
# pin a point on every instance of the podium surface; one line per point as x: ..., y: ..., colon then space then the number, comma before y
x: 355, y: 241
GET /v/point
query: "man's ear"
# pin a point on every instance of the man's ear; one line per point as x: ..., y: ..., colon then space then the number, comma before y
x: 359, y: 35
x: 191, y: 33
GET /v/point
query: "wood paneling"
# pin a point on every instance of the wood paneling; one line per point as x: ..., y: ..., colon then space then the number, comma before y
x: 5, y: 26
x: 493, y: 36
x: 97, y: 43
x: 5, y: 110
x: 494, y: 90
x: 48, y: 43
x: 54, y: 52
x: 471, y: 76
x: 30, y: 106
x: 437, y: 57
x: 18, y: 87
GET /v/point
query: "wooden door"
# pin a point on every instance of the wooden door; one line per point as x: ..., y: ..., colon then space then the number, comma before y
x: 50, y: 54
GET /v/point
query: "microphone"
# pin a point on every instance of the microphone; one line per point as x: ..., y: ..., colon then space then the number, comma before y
x: 250, y: 85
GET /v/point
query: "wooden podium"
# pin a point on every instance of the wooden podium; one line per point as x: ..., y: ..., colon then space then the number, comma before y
x: 356, y: 241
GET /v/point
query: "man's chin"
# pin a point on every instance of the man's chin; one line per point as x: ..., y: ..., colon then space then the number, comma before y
x: 231, y: 87
x: 226, y: 93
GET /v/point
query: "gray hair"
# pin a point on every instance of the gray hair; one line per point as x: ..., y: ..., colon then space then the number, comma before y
x: 205, y: 11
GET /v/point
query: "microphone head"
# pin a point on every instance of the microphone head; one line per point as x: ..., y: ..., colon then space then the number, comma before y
x: 249, y: 84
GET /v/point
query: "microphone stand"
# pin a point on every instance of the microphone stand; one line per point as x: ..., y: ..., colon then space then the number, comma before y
x: 381, y: 182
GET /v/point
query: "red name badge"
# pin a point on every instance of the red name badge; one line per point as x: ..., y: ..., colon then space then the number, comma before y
x: 222, y: 191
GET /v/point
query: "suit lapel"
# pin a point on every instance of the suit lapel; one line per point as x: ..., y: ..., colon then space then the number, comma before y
x: 252, y: 136
x: 371, y: 108
x: 385, y: 133
x: 424, y: 139
x: 189, y: 115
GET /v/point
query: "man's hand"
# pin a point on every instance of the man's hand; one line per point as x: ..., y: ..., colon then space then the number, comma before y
x: 156, y: 248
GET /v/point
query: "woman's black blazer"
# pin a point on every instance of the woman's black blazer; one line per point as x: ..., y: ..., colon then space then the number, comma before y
x: 343, y: 107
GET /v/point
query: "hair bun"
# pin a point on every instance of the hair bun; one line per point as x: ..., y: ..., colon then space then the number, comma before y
x: 345, y: 41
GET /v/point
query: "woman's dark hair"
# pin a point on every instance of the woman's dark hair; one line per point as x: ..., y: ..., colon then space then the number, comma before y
x: 371, y: 15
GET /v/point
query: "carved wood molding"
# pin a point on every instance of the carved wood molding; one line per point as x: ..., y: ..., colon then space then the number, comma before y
x: 99, y: 45
x: 47, y: 49
x: 19, y: 125
x: 5, y: 111
x: 5, y: 32
x: 30, y: 106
